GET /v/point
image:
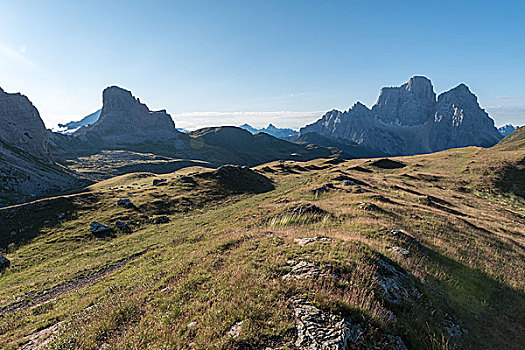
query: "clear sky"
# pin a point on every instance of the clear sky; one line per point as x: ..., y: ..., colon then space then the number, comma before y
x: 227, y: 62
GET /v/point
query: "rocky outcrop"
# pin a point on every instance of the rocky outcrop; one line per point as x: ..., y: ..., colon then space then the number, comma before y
x: 459, y: 121
x: 409, y: 120
x: 319, y: 329
x: 26, y: 168
x: 124, y: 119
x: 21, y: 125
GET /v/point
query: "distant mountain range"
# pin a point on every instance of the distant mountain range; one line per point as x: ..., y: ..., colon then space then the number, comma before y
x: 71, y: 127
x: 127, y: 124
x: 506, y: 130
x: 282, y: 133
x: 405, y: 120
x: 410, y: 120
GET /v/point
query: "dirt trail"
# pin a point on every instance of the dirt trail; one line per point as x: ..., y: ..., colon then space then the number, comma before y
x: 36, y: 298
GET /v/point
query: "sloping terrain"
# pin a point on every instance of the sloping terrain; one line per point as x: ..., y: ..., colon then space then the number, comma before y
x: 25, y: 177
x: 239, y: 146
x: 422, y: 252
x: 351, y: 148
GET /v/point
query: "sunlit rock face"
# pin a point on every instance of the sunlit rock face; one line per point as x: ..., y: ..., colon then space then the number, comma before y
x: 459, y: 121
x: 21, y: 125
x: 409, y: 120
x: 411, y: 104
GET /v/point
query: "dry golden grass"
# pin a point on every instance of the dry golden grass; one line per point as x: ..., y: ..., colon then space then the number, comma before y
x: 222, y: 256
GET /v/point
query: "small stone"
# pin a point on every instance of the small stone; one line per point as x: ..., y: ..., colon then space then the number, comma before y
x: 4, y: 263
x: 122, y: 226
x: 307, y: 240
x: 397, y: 233
x: 125, y: 202
x: 402, y: 251
x: 13, y: 233
x: 97, y: 227
x: 453, y: 328
x: 161, y: 219
x: 191, y: 325
x: 235, y: 330
x: 159, y: 182
x: 369, y: 207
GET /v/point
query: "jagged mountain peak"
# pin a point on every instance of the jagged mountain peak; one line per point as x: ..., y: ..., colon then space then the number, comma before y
x: 358, y: 106
x: 461, y: 91
x: 409, y: 119
x: 125, y: 117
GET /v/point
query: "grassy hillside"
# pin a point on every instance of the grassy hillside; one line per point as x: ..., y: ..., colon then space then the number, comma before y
x: 425, y: 251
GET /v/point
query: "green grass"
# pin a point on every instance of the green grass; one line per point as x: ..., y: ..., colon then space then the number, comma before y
x: 221, y: 257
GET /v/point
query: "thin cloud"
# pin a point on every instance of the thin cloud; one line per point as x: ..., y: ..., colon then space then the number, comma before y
x: 514, y: 114
x: 288, y: 119
x: 16, y: 56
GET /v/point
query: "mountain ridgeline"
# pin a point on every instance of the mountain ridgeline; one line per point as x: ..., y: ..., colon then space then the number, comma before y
x: 127, y: 124
x: 125, y: 135
x: 410, y: 120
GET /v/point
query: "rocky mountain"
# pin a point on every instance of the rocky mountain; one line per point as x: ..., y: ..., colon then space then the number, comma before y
x: 26, y: 167
x: 124, y: 119
x: 21, y: 125
x: 282, y: 133
x: 410, y: 120
x: 506, y: 130
x: 71, y: 127
x: 127, y: 124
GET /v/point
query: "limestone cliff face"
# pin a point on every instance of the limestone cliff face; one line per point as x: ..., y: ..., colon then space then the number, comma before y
x: 409, y: 120
x: 459, y: 121
x: 124, y: 119
x: 411, y: 104
x: 21, y: 125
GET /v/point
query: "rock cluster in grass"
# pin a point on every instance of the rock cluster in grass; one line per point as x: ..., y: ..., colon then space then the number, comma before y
x: 307, y: 240
x: 318, y: 329
x: 395, y: 286
x: 304, y: 209
x: 301, y: 270
x: 97, y: 227
x: 405, y: 253
x: 323, y: 189
x: 122, y: 226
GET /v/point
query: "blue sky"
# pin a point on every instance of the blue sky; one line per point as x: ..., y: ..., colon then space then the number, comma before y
x: 286, y: 62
